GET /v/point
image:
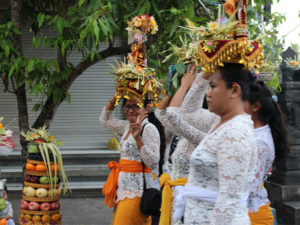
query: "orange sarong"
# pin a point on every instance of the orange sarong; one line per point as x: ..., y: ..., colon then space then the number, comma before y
x: 111, y: 184
x: 264, y: 216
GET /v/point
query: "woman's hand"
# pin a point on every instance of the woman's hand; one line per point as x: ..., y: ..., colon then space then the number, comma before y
x: 186, y: 82
x: 189, y: 77
x: 136, y: 129
x: 111, y: 103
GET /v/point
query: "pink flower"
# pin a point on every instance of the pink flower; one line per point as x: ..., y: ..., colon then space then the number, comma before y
x: 210, y: 43
x: 138, y: 37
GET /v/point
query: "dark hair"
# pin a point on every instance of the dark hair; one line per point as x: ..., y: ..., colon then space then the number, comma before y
x: 270, y: 114
x: 5, y: 189
x: 234, y: 72
x: 152, y: 119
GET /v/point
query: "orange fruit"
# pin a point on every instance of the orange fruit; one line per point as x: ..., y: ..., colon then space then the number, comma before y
x: 3, y: 221
x: 30, y: 166
x: 55, y: 217
x: 36, y: 218
x: 41, y: 168
x: 22, y: 216
x: 46, y: 218
x: 53, y: 168
x: 28, y: 217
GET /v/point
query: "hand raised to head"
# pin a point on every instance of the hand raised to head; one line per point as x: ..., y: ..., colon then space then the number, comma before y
x: 189, y: 77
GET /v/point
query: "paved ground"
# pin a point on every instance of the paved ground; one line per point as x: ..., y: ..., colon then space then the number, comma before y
x: 78, y: 211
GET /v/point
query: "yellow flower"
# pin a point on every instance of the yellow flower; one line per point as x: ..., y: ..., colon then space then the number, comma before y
x: 212, y: 25
x: 293, y: 63
x: 1, y: 125
x: 51, y: 138
x: 137, y: 23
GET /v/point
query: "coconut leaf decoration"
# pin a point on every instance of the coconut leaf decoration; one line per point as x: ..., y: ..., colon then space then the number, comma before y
x: 47, y: 146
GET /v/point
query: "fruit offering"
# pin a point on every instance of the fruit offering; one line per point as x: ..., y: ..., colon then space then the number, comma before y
x: 44, y: 173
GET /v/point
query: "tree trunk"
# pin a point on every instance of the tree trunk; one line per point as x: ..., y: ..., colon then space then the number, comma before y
x: 20, y: 91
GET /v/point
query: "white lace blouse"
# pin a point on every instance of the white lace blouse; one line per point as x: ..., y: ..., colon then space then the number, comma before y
x: 130, y: 185
x: 266, y: 154
x: 225, y: 162
x: 189, y: 136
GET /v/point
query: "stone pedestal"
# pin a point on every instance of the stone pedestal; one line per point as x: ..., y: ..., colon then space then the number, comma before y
x: 284, y: 184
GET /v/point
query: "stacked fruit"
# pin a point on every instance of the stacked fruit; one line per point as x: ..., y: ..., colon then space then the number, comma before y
x: 41, y: 193
x: 44, y: 172
x: 40, y: 201
x: 2, y: 203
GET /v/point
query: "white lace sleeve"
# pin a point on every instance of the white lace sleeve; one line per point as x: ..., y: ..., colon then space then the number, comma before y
x: 150, y: 149
x: 169, y: 136
x: 264, y: 163
x: 164, y: 118
x: 234, y: 157
x: 192, y: 126
x: 193, y: 100
x: 111, y: 123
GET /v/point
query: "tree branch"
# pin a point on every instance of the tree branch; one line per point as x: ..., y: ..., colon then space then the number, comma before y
x: 49, y: 108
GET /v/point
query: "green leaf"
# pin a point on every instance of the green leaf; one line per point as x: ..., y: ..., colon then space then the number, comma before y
x: 16, y: 31
x: 30, y: 65
x: 36, y: 107
x: 103, y: 27
x: 57, y: 66
x: 63, y: 48
x: 7, y: 51
x: 180, y: 67
x: 57, y: 94
x: 60, y: 25
x: 156, y: 10
x: 81, y: 2
x: 96, y: 31
x: 41, y: 18
x: 92, y: 56
x: 11, y: 71
x: 69, y: 98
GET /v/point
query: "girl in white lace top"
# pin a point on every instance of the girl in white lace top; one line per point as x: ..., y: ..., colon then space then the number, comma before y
x: 269, y: 128
x: 133, y: 148
x: 223, y: 164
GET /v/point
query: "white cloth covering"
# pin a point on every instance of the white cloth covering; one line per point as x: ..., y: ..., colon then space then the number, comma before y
x: 266, y: 153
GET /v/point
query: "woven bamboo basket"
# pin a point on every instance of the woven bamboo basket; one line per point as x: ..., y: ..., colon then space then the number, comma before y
x: 35, y: 185
x: 36, y: 173
x: 36, y: 162
x: 36, y: 199
x: 37, y: 223
x: 39, y: 213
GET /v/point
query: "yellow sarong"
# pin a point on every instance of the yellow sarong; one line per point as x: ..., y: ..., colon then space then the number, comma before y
x: 264, y: 216
x: 167, y: 196
x: 127, y: 212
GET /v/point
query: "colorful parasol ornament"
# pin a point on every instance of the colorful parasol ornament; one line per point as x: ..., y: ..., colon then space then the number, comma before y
x: 226, y: 41
x: 136, y: 81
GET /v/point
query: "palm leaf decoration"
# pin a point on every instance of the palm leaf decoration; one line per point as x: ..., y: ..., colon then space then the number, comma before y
x: 48, y: 145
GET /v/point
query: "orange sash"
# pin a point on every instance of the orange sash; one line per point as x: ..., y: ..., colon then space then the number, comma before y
x: 111, y: 184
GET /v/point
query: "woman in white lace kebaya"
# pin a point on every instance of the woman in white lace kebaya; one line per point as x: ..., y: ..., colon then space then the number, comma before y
x: 269, y: 130
x: 188, y: 139
x: 134, y: 149
x: 223, y: 164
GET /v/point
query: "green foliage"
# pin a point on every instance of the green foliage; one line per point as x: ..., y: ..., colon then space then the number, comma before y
x: 89, y: 26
